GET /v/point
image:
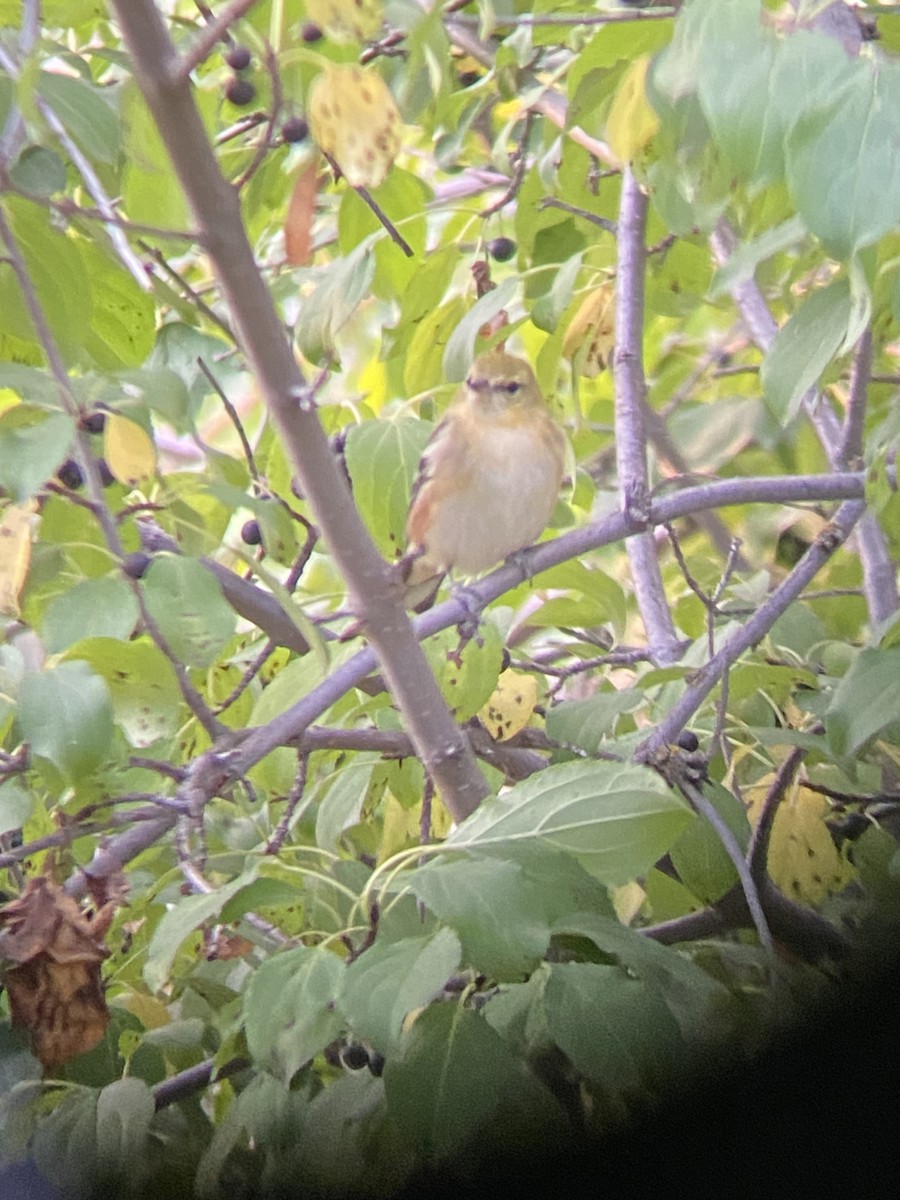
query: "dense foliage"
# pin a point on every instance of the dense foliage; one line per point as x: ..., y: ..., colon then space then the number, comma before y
x: 286, y: 904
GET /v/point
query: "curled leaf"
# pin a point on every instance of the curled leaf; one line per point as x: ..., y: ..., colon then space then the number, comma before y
x: 16, y: 526
x: 589, y: 338
x: 54, y: 984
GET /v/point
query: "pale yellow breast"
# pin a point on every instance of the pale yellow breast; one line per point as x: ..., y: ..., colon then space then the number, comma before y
x: 511, y: 488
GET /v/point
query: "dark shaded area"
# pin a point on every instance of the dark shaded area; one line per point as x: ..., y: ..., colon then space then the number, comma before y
x: 815, y: 1113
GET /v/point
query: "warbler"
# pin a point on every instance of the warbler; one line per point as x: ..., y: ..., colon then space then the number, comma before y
x: 488, y: 479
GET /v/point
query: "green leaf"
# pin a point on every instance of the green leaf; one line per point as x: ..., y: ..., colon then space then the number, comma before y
x: 703, y: 1007
x: 502, y: 922
x: 185, y: 600
x: 123, y: 320
x: 39, y: 171
x: 841, y: 168
x: 804, y: 347
x: 552, y: 304
x: 865, y: 701
x: 65, y: 715
x: 587, y: 723
x: 289, y: 1013
x: 64, y: 1147
x: 467, y: 677
x: 85, y: 113
x: 150, y: 188
x: 615, y: 1029
x: 734, y: 69
x: 386, y: 983
x: 146, y: 698
x: 342, y: 804
x: 57, y: 274
x: 615, y: 820
x: 33, y: 444
x: 15, y: 806
x: 342, y: 287
x: 461, y: 346
x: 453, y: 1078
x: 382, y: 458
x: 182, y: 920
x: 103, y: 608
x: 698, y: 855
x: 124, y: 1112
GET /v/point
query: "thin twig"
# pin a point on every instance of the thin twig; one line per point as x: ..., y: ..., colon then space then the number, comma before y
x: 704, y: 680
x: 367, y: 198
x: 850, y: 451
x: 160, y: 259
x: 520, y: 159
x: 233, y: 417
x: 215, y: 31
x: 733, y: 850
x: 276, y: 841
x: 757, y: 851
x: 552, y: 202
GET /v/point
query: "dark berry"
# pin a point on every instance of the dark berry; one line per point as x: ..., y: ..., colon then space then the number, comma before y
x: 239, y: 58
x: 355, y: 1057
x: 688, y: 740
x: 310, y: 32
x: 106, y: 475
x: 70, y: 474
x: 240, y: 92
x: 251, y: 533
x: 467, y: 78
x: 502, y: 249
x: 135, y: 565
x: 93, y: 422
x: 295, y: 129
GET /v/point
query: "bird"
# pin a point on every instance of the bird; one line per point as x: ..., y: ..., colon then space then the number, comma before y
x: 488, y: 479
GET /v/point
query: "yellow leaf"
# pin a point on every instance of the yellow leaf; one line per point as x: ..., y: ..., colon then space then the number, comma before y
x: 511, y: 705
x: 631, y: 122
x: 15, y: 553
x: 354, y: 120
x: 128, y: 450
x: 400, y: 828
x: 589, y: 339
x: 346, y: 20
x: 803, y: 861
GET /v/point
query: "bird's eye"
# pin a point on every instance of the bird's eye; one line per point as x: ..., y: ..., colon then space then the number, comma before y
x: 511, y: 387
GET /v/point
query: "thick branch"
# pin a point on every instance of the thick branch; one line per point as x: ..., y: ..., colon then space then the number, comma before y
x: 786, y: 489
x: 445, y: 753
x: 631, y: 444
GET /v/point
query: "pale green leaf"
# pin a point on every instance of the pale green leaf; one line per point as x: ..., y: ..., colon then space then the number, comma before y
x: 393, y: 979
x: 615, y: 820
x: 183, y: 919
x: 65, y: 715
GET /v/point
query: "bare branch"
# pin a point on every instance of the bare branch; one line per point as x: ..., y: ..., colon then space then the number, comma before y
x: 756, y: 628
x: 631, y: 449
x: 849, y: 453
